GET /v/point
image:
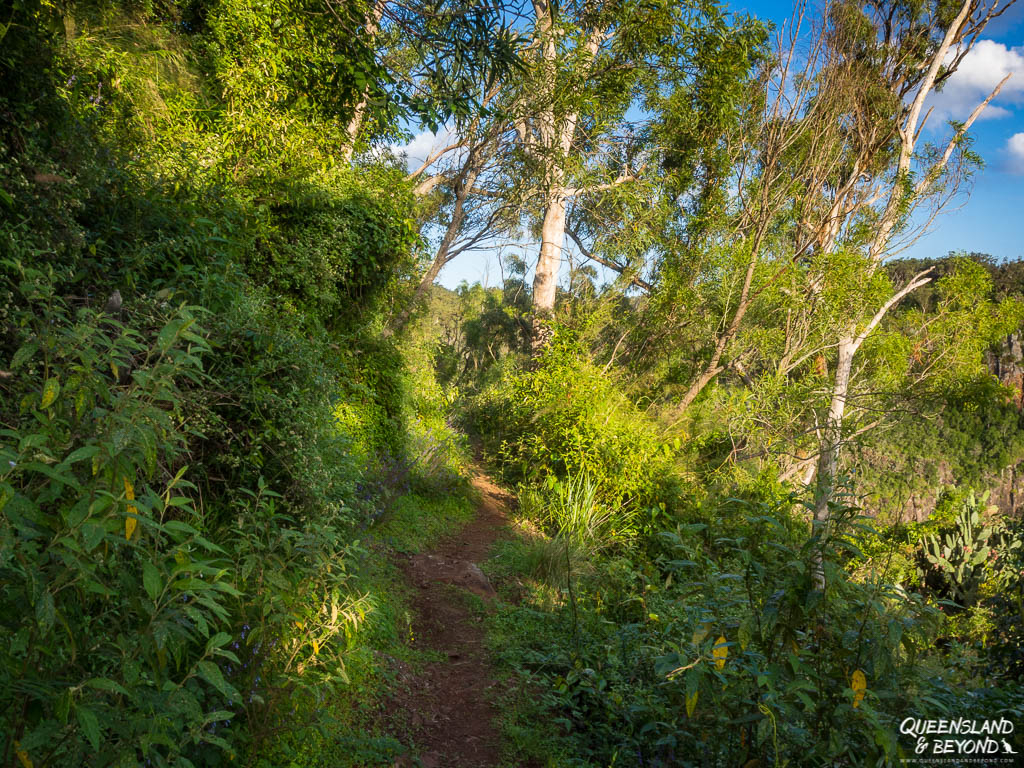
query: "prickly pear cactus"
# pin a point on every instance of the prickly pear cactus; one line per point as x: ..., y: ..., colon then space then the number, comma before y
x: 961, y: 554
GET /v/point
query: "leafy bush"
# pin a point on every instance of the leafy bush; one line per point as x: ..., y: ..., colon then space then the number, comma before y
x: 214, y: 605
x: 565, y: 419
x: 331, y: 250
x: 722, y: 651
x: 115, y: 601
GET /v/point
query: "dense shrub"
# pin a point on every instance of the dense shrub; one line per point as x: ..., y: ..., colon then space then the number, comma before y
x: 722, y: 652
x: 563, y: 419
x: 329, y: 251
x: 115, y: 601
x: 194, y: 404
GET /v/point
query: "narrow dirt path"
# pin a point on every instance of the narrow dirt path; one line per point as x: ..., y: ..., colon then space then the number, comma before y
x: 446, y: 709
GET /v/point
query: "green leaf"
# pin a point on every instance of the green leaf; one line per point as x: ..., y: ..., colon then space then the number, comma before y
x: 92, y: 534
x: 50, y: 391
x: 105, y: 684
x: 24, y: 353
x: 170, y: 332
x: 77, y: 513
x: 220, y: 714
x: 61, y: 477
x: 218, y: 640
x: 90, y: 725
x: 151, y: 580
x: 46, y: 613
x: 211, y: 673
x: 85, y: 452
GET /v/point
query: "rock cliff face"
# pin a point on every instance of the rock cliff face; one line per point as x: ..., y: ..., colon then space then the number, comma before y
x: 1007, y: 364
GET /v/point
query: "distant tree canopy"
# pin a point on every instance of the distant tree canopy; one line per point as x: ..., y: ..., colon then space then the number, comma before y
x: 1007, y: 274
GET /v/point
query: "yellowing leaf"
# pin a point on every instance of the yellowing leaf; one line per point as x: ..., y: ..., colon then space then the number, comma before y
x: 316, y: 647
x: 743, y: 636
x: 130, y: 523
x: 95, y: 464
x: 50, y: 391
x: 23, y: 757
x: 691, y: 703
x: 859, y: 685
x: 720, y: 652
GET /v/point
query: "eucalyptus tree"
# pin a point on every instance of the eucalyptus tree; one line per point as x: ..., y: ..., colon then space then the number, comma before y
x: 460, y: 184
x: 880, y: 63
x: 843, y: 179
x: 424, y: 60
x: 586, y: 149
x: 786, y: 202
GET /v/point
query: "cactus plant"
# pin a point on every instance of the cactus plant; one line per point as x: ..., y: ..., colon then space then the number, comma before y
x: 960, y: 554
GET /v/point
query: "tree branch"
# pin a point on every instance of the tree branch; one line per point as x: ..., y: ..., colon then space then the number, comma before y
x: 637, y: 281
x: 921, y: 278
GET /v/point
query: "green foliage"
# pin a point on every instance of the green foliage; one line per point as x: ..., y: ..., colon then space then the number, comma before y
x: 201, y: 424
x: 575, y: 515
x: 975, y: 435
x: 565, y: 419
x: 1004, y: 646
x: 299, y: 611
x: 483, y: 331
x: 721, y: 651
x: 332, y: 251
x: 117, y: 604
x: 185, y: 470
x: 574, y: 527
x: 961, y: 554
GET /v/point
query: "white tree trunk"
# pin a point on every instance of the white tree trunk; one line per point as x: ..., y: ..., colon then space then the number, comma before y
x: 552, y: 241
x: 545, y: 281
x: 831, y: 441
x: 556, y: 138
x: 355, y: 123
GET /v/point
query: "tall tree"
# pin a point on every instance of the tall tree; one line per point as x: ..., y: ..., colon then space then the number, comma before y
x: 583, y: 131
x: 880, y: 61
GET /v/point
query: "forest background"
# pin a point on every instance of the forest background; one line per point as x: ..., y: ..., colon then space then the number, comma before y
x: 767, y: 474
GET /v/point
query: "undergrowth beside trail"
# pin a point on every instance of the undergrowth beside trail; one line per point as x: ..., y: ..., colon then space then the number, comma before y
x: 684, y: 627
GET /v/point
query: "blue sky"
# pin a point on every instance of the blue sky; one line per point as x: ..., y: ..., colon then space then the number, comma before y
x: 989, y: 220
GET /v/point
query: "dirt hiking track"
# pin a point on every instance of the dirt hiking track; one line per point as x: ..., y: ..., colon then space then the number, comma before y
x: 446, y: 710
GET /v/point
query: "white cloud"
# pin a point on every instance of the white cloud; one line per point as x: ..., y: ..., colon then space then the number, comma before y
x: 983, y: 67
x: 1015, y: 153
x: 420, y: 147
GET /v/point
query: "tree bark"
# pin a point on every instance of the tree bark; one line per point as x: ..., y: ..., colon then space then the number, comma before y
x: 355, y: 123
x: 545, y: 280
x: 831, y: 441
x: 556, y: 141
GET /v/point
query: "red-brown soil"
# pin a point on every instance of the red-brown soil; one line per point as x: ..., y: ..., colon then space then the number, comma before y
x: 446, y: 710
